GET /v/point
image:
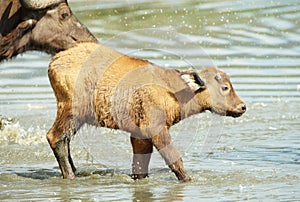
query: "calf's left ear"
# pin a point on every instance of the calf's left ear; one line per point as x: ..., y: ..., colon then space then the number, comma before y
x: 193, y: 80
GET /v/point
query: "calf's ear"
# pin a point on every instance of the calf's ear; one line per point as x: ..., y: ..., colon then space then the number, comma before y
x: 193, y: 80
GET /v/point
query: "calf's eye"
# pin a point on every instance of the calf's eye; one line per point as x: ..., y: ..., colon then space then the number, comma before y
x: 224, y: 88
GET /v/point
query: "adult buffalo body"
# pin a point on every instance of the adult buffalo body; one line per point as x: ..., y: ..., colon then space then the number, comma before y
x: 47, y: 26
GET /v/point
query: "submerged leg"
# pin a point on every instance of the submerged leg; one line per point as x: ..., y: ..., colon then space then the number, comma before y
x: 142, y: 150
x: 170, y: 154
x: 59, y: 138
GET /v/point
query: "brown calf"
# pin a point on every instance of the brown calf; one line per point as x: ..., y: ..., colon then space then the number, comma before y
x: 96, y: 85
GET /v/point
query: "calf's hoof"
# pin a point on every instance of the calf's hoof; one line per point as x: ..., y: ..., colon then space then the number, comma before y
x: 186, y: 179
x: 139, y: 176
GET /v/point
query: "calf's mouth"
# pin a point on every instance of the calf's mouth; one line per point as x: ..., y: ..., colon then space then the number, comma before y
x: 238, y: 111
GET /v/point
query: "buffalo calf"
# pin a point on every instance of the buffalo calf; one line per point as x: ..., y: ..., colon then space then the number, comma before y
x: 96, y: 85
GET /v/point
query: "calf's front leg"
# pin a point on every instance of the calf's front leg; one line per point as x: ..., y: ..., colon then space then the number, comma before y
x: 142, y: 150
x: 170, y: 154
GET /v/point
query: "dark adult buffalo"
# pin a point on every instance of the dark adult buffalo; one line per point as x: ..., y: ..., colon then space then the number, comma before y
x: 43, y: 25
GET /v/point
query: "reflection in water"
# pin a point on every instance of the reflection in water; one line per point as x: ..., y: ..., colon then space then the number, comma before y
x: 257, y: 156
x: 142, y: 193
x: 145, y: 191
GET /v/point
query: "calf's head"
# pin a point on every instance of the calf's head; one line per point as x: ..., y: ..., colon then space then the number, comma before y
x: 215, y: 92
x: 48, y: 26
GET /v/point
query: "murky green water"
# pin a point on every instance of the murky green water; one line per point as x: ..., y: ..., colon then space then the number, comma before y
x: 257, y: 156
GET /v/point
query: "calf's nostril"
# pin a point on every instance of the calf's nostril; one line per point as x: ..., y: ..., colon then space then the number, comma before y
x: 243, y: 107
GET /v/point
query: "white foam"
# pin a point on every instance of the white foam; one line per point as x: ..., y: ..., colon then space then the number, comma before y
x: 14, y: 133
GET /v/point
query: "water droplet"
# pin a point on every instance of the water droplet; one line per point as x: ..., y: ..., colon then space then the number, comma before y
x: 272, y: 128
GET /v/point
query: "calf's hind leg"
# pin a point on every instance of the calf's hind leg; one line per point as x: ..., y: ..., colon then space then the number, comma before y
x: 59, y: 137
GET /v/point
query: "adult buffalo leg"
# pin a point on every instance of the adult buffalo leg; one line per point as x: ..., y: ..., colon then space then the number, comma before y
x: 59, y: 137
x: 142, y: 150
x: 170, y: 154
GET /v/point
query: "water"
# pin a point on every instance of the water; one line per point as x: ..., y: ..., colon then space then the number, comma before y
x: 257, y: 156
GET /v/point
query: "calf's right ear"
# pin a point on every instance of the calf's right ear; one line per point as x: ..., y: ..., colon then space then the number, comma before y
x: 193, y: 80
